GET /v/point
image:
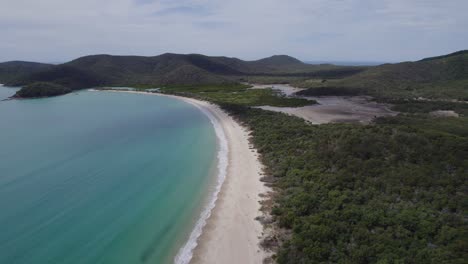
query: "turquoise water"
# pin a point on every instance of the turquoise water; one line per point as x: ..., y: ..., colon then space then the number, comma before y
x: 101, y: 177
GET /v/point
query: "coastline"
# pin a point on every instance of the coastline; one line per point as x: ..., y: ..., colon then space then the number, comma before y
x: 228, y: 232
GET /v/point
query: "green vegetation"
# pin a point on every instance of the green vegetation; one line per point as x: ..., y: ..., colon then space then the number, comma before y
x: 391, y: 192
x: 41, y: 89
x: 461, y: 52
x: 394, y: 191
x: 173, y: 69
x: 439, y: 77
x: 67, y: 76
x: 209, y: 88
x: 270, y: 79
x: 238, y: 94
x: 418, y: 106
x: 444, y: 77
x: 330, y: 91
x: 14, y: 70
x: 254, y: 97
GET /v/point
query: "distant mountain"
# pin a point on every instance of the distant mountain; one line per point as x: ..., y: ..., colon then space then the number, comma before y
x: 169, y: 69
x: 348, y: 63
x: 13, y: 70
x: 279, y: 63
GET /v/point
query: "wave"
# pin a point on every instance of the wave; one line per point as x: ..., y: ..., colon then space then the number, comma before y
x: 185, y: 253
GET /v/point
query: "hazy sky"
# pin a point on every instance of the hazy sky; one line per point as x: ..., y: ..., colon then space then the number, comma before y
x: 335, y: 30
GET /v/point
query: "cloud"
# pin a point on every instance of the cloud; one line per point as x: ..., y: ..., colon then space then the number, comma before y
x: 388, y: 30
x: 183, y: 10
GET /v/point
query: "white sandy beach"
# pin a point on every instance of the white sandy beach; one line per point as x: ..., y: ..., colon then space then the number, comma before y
x: 232, y: 235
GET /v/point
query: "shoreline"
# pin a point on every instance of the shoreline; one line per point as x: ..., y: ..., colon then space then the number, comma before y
x: 226, y: 231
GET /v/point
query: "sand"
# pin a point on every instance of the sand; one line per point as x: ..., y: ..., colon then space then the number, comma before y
x: 285, y: 89
x: 337, y: 109
x: 444, y: 113
x: 232, y: 235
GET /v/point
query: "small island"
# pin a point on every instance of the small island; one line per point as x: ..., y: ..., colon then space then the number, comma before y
x: 41, y: 89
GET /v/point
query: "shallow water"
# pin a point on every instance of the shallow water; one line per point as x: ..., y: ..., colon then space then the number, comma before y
x: 6, y: 92
x: 101, y: 177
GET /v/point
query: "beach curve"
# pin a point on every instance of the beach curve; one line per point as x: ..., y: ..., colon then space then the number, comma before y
x: 227, y: 231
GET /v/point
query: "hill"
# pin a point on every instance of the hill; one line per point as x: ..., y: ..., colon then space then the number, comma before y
x: 65, y: 75
x: 461, y: 52
x: 173, y: 69
x: 41, y: 89
x: 444, y: 77
x: 12, y: 70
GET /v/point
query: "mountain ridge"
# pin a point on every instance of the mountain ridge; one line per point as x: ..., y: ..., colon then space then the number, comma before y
x: 12, y: 70
x: 443, y: 76
x: 168, y: 69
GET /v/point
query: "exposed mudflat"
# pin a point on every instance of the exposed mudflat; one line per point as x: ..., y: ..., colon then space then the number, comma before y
x: 285, y: 89
x: 331, y: 109
x: 444, y: 113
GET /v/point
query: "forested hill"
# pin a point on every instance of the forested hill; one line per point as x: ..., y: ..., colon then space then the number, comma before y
x: 443, y: 68
x: 171, y: 69
x: 13, y: 70
x: 455, y: 54
x: 437, y: 77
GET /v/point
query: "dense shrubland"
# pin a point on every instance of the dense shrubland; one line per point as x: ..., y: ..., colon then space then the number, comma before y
x: 390, y: 192
x: 444, y: 77
x: 238, y: 94
x: 41, y: 89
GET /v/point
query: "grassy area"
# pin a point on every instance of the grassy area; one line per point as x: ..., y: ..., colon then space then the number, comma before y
x: 254, y: 97
x: 226, y: 88
x: 418, y: 106
x: 383, y: 90
x: 270, y: 79
x: 235, y: 94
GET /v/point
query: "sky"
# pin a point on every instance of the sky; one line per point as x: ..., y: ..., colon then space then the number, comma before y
x: 311, y: 30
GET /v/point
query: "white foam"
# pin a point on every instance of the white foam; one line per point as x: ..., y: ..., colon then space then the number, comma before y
x: 185, y: 253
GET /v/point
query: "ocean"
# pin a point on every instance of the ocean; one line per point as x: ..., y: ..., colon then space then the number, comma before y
x: 102, y: 177
x: 6, y: 92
